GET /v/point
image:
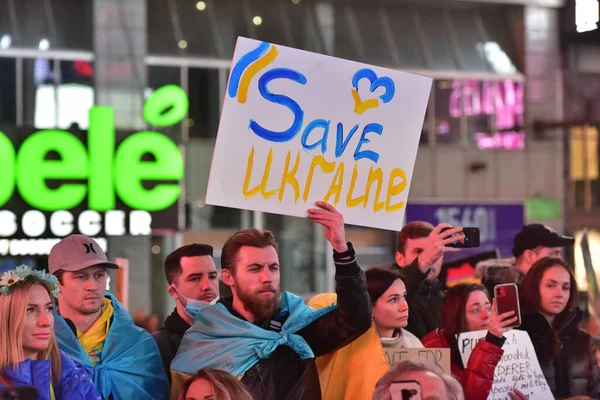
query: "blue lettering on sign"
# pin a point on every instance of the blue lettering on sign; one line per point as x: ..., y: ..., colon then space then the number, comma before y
x: 240, y: 67
x: 317, y: 123
x: 371, y: 155
x: 292, y: 131
x: 341, y: 142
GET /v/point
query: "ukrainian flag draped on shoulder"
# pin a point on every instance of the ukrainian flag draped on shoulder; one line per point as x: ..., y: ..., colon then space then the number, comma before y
x: 221, y: 340
x: 351, y: 372
x: 131, y: 366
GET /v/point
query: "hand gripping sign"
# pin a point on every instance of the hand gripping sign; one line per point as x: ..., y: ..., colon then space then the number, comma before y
x: 519, y: 367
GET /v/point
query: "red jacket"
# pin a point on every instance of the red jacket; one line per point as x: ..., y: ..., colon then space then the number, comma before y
x: 478, y: 377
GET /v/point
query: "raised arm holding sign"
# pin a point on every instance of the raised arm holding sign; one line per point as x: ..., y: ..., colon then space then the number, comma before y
x: 267, y: 336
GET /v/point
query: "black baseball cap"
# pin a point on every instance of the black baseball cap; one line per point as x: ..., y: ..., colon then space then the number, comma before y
x: 534, y: 235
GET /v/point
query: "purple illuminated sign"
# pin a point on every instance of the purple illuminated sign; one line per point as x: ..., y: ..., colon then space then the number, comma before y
x: 503, y: 101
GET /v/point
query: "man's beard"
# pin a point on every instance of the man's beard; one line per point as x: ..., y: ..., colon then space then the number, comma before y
x: 259, y: 307
x: 89, y: 309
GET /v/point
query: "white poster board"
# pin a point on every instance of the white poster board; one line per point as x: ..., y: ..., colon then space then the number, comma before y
x: 298, y: 127
x: 519, y: 367
x: 439, y: 357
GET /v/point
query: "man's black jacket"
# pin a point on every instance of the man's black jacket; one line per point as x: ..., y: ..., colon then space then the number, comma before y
x: 424, y: 300
x: 287, y: 377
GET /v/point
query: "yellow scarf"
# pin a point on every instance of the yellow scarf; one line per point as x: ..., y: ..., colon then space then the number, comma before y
x: 93, y: 340
x: 52, y: 395
x: 351, y: 372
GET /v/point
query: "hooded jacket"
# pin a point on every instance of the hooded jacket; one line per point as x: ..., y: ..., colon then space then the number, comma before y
x: 168, y: 338
x: 497, y: 271
x: 75, y: 380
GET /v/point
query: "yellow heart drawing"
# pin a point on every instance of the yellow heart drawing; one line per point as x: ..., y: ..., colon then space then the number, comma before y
x: 362, y: 106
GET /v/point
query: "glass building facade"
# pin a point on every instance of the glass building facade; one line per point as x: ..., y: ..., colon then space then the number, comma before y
x: 58, y: 58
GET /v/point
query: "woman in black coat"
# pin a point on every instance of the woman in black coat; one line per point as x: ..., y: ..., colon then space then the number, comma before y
x: 566, y: 353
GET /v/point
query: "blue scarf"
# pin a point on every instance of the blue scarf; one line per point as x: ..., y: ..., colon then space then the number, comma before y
x: 221, y: 340
x: 131, y: 365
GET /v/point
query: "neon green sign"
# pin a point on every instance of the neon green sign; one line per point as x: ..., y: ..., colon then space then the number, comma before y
x: 108, y: 171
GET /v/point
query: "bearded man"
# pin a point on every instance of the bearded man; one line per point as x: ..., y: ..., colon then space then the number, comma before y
x: 267, y: 337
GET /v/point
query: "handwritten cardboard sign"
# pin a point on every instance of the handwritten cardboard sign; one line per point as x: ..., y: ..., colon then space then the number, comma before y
x: 519, y: 367
x: 298, y: 127
x: 440, y: 357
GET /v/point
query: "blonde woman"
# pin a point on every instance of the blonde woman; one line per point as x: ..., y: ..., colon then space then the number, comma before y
x: 213, y: 384
x: 29, y: 355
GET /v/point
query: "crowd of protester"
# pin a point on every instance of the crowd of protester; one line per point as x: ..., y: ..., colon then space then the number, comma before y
x: 67, y: 337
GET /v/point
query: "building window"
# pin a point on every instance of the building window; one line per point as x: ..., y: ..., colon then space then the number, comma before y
x: 159, y: 76
x: 205, y: 109
x: 8, y: 86
x: 468, y: 40
x: 57, y: 94
x: 405, y: 36
x: 437, y: 39
x: 448, y: 111
x: 48, y: 25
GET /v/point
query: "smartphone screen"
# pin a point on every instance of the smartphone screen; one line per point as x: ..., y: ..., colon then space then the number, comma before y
x: 507, y: 299
x: 471, y: 238
x: 406, y: 390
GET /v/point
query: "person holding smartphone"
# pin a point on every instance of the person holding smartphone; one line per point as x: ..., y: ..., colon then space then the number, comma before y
x: 467, y: 308
x: 29, y: 354
x: 353, y: 371
x: 420, y: 254
x: 566, y: 353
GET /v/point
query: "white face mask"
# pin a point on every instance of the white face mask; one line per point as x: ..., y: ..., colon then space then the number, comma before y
x: 193, y: 306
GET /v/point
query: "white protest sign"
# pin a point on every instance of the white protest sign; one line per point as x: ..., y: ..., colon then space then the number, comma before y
x: 298, y: 127
x: 519, y: 367
x: 440, y: 357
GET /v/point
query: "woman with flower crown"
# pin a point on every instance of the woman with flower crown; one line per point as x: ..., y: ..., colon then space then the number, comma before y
x: 29, y: 354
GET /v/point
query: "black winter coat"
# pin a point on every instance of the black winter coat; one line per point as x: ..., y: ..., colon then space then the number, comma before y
x: 424, y: 300
x: 284, y: 376
x: 573, y: 371
x: 168, y: 338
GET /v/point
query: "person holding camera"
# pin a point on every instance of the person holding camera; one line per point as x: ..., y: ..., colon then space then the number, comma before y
x: 420, y: 254
x: 29, y: 354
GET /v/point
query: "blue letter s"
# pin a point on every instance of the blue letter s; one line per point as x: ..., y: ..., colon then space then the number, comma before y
x: 288, y: 134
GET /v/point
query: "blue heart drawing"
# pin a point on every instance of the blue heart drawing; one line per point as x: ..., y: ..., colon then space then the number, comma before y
x: 361, y: 106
